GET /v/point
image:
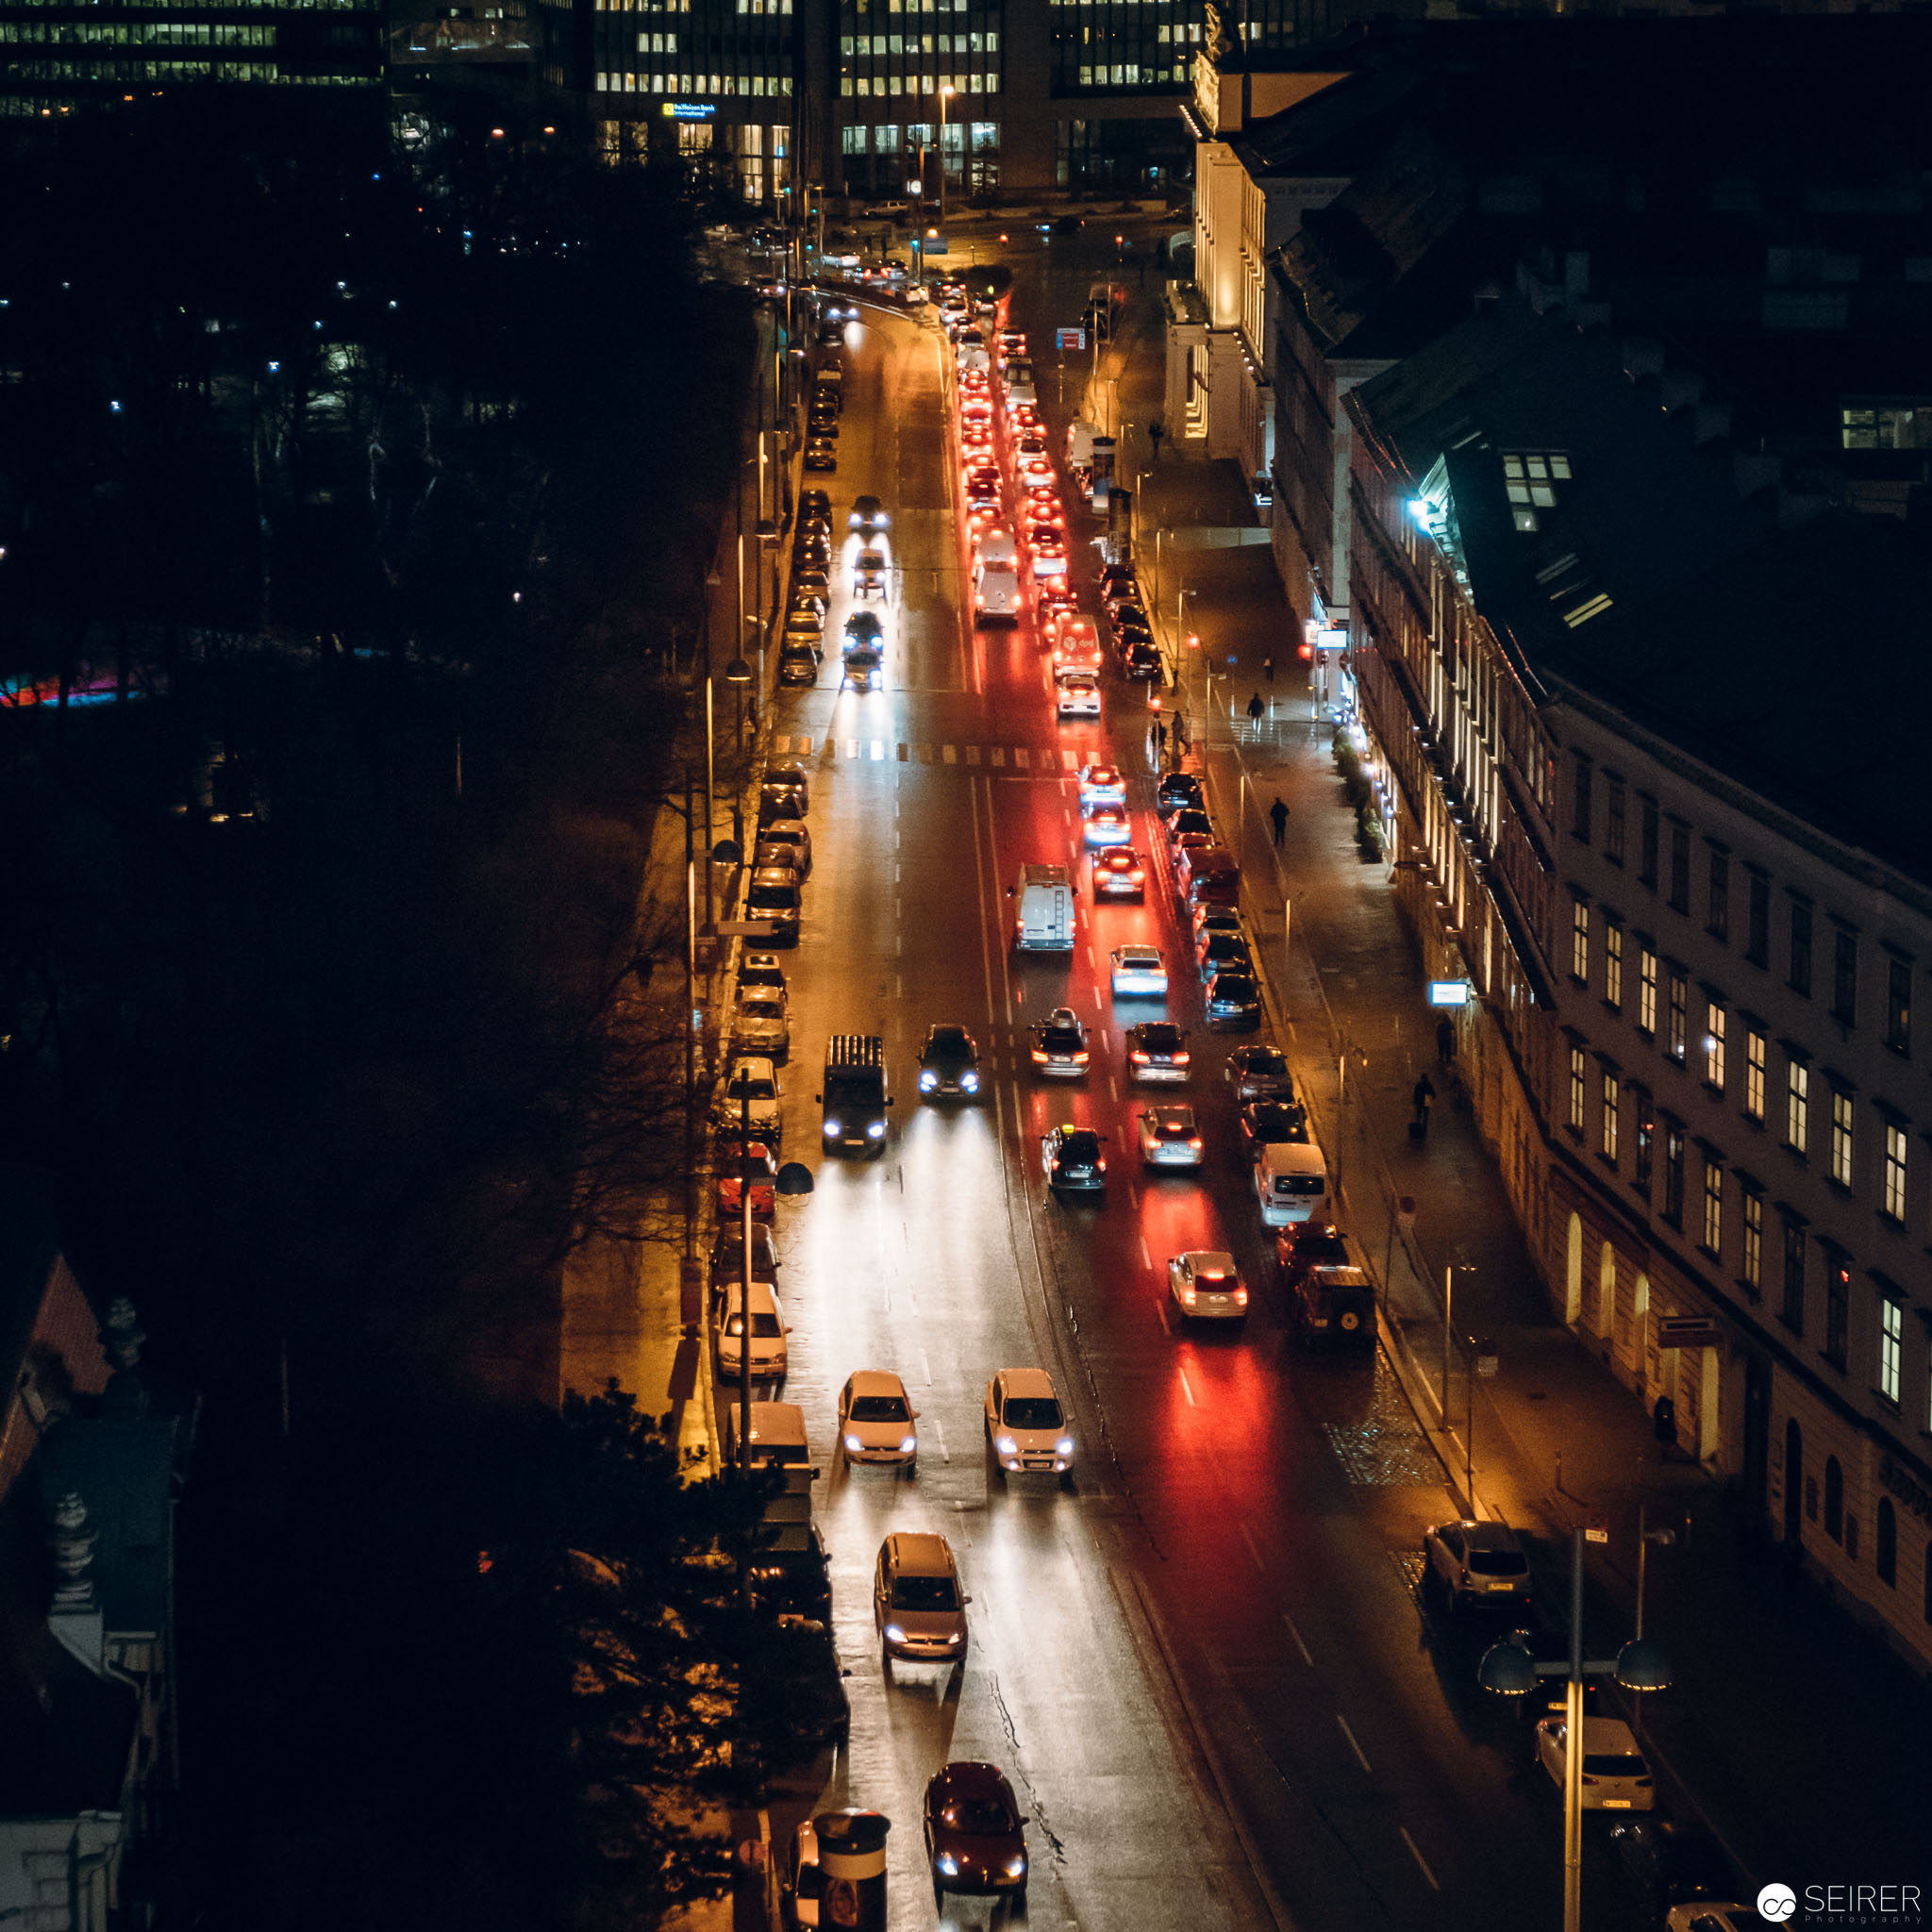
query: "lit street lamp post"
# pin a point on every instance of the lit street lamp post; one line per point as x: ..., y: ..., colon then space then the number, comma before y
x: 713, y: 582
x: 946, y: 95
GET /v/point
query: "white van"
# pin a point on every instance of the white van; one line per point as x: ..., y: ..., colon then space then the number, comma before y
x: 777, y: 1435
x: 1080, y: 442
x: 1291, y: 1181
x: 1043, y: 909
x: 995, y: 546
x: 997, y: 593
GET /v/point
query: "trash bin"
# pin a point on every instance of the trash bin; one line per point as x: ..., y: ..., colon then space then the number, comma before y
x: 852, y: 1855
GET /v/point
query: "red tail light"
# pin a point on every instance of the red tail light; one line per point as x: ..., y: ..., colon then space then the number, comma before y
x: 1080, y: 1058
x: 1139, y: 1059
x: 1138, y: 876
x: 1180, y: 1060
x: 1040, y: 1055
x: 1240, y: 1294
x: 1195, y: 1144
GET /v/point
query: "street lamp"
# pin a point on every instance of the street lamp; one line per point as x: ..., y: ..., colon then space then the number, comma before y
x: 1508, y: 1669
x: 713, y: 582
x: 946, y: 93
x: 738, y: 674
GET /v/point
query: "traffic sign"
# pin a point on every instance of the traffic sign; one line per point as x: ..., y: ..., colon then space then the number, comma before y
x: 1071, y: 337
x: 1597, y: 1531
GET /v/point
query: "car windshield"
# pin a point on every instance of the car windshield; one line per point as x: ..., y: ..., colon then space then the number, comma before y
x: 947, y: 1039
x: 877, y: 1409
x: 762, y: 1010
x: 1079, y: 1147
x: 1160, y: 1037
x: 1233, y: 985
x: 1061, y: 1039
x: 1613, y: 1764
x: 757, y: 1086
x: 1498, y: 1563
x: 1032, y: 1412
x: 764, y: 1325
x: 1264, y: 1059
x: 773, y: 898
x: 977, y: 1817
x: 1275, y: 1123
x: 925, y: 1594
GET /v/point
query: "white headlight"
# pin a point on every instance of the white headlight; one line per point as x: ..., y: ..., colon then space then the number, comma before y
x: 895, y: 1634
x: 877, y: 1130
x: 853, y: 1442
x: 1064, y: 1446
x: 928, y: 1080
x: 1016, y: 1866
x: 948, y: 1864
x: 970, y: 1080
x: 1006, y: 1446
x: 907, y: 1445
x: 832, y: 1129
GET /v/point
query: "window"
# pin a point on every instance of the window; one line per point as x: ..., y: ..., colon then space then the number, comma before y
x: 1895, y: 1148
x: 1840, y: 1136
x: 1801, y: 949
x: 1680, y: 868
x: 1797, y: 1107
x: 1757, y: 926
x: 1643, y: 1133
x: 1673, y: 1173
x: 1887, y: 1553
x: 1579, y: 798
x: 1646, y: 840
x: 1834, y: 1500
x: 1898, y: 1005
x: 1715, y: 1021
x: 1891, y: 1345
x: 1613, y: 820
x: 1717, y: 911
x: 1576, y: 1088
x: 1754, y: 1074
x: 1579, y: 939
x: 1646, y: 990
x: 1844, y: 976
x: 1614, y: 967
x: 1713, y: 1205
x: 1612, y: 1094
x: 1838, y: 1311
x: 1676, y: 1037
x: 1751, y: 1259
x: 1792, y: 1313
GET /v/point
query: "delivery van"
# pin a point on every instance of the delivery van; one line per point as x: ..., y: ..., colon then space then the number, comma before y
x: 1080, y: 444
x: 1291, y: 1183
x: 997, y: 597
x: 777, y: 1436
x: 1208, y: 875
x: 1043, y: 909
x: 995, y: 546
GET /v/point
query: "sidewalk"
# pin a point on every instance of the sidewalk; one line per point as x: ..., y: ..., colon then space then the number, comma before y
x: 1776, y: 1688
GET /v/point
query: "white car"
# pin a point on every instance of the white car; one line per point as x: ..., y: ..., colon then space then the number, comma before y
x: 1025, y: 1426
x: 1701, y: 1917
x: 758, y: 1025
x: 1615, y: 1775
x: 768, y: 1332
x: 1138, y: 973
x: 753, y: 1079
x: 1170, y: 1137
x: 762, y: 971
x: 875, y: 1420
x: 1208, y: 1287
x: 868, y: 575
x: 1078, y: 697
x: 1101, y: 785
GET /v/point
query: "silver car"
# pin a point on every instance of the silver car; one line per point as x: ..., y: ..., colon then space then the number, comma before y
x: 1168, y: 1138
x: 758, y: 1025
x: 1207, y: 1286
x: 868, y: 575
x: 1477, y: 1563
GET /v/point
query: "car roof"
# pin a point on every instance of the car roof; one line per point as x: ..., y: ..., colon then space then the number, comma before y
x: 1210, y: 1261
x: 1180, y: 1117
x: 764, y: 1296
x: 1030, y: 1382
x: 1479, y: 1535
x: 760, y: 1066
x: 877, y: 1382
x: 920, y: 1553
x: 1069, y: 1131
x: 970, y: 1778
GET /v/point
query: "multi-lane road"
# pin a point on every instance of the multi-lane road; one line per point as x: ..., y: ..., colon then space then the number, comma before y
x: 1205, y: 1668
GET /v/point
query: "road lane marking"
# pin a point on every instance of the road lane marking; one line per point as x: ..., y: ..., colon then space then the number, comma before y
x: 925, y: 754
x: 939, y: 1429
x: 1248, y: 1537
x: 925, y: 1368
x: 902, y: 753
x: 1360, y: 1757
x: 950, y: 752
x: 1420, y: 1860
x: 1308, y: 1656
x: 1188, y: 1389
x: 805, y: 747
x: 878, y: 750
x: 1099, y: 1008
x: 1146, y: 1259
x: 852, y: 747
x: 1021, y: 758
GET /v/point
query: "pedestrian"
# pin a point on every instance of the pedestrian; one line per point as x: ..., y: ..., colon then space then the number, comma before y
x: 1257, y: 711
x: 1180, y: 734
x: 1277, y: 814
x: 1268, y: 669
x: 1424, y: 1094
x: 1663, y: 1423
x: 1445, y: 1039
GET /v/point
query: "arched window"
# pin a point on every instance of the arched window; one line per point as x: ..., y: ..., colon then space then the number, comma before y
x: 1834, y: 1500
x: 1572, y: 1272
x: 1606, y: 1290
x: 1888, y: 1541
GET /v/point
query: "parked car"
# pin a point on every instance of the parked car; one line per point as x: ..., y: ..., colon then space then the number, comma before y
x: 1616, y: 1775
x: 1259, y: 1073
x: 1335, y: 1306
x: 1476, y: 1562
x: 1671, y: 1863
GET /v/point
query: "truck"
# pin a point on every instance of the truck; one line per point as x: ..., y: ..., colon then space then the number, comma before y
x: 855, y: 1098
x: 1043, y: 909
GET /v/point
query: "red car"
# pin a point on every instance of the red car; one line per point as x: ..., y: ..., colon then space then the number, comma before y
x: 976, y: 1841
x: 1120, y: 872
x: 755, y: 1164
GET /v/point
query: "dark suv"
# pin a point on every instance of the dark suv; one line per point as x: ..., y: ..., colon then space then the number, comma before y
x: 949, y: 1063
x: 1072, y: 1161
x: 1334, y: 1305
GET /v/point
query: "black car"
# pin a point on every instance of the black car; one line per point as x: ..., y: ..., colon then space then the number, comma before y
x: 1219, y: 949
x: 1306, y: 1245
x: 1072, y: 1161
x: 1271, y: 1124
x: 821, y: 453
x: 1188, y: 819
x: 1117, y: 580
x: 789, y: 1574
x: 1672, y: 1864
x: 1060, y: 1045
x: 1142, y: 661
x: 949, y: 1063
x: 797, y: 1690
x: 814, y: 503
x: 864, y: 628
x: 1177, y: 791
x: 728, y: 1256
x: 780, y: 802
x: 1234, y: 1002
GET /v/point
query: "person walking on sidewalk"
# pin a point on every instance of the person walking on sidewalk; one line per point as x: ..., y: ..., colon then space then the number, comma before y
x: 1446, y: 1040
x: 1277, y: 817
x: 1268, y: 669
x: 1424, y: 1094
x: 1663, y: 1423
x: 1256, y: 710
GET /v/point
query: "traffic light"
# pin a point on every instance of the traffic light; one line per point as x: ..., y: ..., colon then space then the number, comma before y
x: 1193, y: 640
x: 1308, y: 651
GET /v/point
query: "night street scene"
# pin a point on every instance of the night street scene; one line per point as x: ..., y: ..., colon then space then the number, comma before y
x: 965, y: 971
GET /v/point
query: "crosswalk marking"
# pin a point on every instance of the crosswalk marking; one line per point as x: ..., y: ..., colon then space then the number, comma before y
x: 999, y: 755
x: 971, y: 754
x: 852, y: 747
x: 902, y: 753
x: 952, y: 755
x: 878, y: 750
x: 925, y: 754
x: 1050, y: 759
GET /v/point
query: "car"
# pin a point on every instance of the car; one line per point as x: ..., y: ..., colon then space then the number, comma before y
x: 1234, y: 1002
x: 742, y: 1164
x: 768, y: 1331
x: 1077, y: 697
x: 1106, y: 824
x: 1060, y: 1045
x: 1474, y: 1562
x: 1136, y: 972
x: 1101, y: 785
x: 820, y: 453
x: 875, y: 1421
x: 1169, y: 1137
x: 811, y: 552
x: 791, y: 1574
x: 824, y: 424
x: 798, y: 663
x: 750, y: 1083
x: 761, y: 969
x: 1258, y: 1073
x: 758, y: 1025
x: 949, y: 1063
x: 1117, y: 580
x: 792, y: 838
x: 983, y: 491
x: 811, y: 583
x: 1044, y: 533
x: 1670, y: 1863
x: 1193, y: 841
x: 976, y: 1841
x: 1141, y: 661
x: 865, y: 628
x: 1188, y: 819
x: 1072, y: 1161
x: 1308, y: 1244
x: 806, y: 603
x: 728, y: 1256
x: 1270, y: 1124
x: 1178, y: 790
x: 814, y: 503
x: 1056, y: 596
x: 1119, y: 873
x: 1335, y: 1306
x: 775, y: 894
x: 1207, y: 1286
x: 1075, y: 645
x: 918, y: 1608
x: 1214, y: 950
x: 868, y: 573
x: 1031, y: 445
x: 1616, y: 1776
x: 868, y: 514
x: 793, y: 1670
x: 1026, y: 1427
x: 886, y: 210
x: 1157, y: 1050
x: 1124, y: 598
x: 1209, y: 916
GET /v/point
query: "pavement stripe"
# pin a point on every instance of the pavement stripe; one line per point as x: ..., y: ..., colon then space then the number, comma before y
x: 1022, y: 758
x: 878, y: 750
x: 952, y: 754
x: 1071, y: 759
x: 999, y: 755
x: 781, y: 745
x: 804, y: 747
x: 925, y: 754
x: 852, y: 747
